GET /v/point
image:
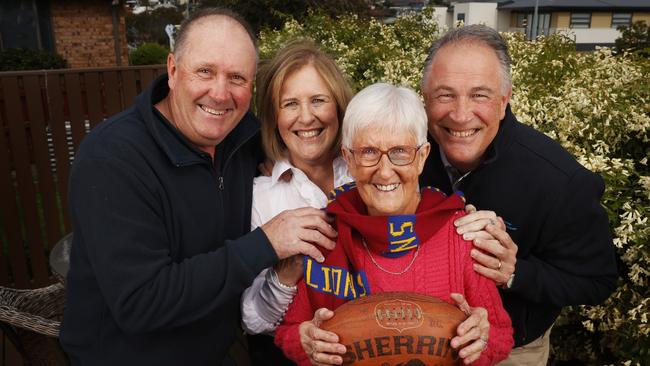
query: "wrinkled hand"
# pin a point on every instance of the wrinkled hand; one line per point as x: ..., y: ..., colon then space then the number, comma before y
x: 299, y: 231
x: 473, y: 333
x: 289, y: 270
x: 320, y: 345
x: 497, y: 256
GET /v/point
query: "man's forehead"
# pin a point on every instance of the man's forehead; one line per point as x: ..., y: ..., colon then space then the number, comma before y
x: 219, y: 39
x: 464, y: 60
x: 463, y: 49
x: 218, y: 26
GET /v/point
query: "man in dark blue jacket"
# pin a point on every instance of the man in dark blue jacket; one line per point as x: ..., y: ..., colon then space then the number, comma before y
x: 160, y: 196
x: 557, y: 250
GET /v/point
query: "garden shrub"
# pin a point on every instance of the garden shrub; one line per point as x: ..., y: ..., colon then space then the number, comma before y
x: 596, y: 104
x: 149, y: 54
x: 15, y: 59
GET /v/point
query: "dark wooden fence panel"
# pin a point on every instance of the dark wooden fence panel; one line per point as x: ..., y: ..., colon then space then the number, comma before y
x: 44, y: 116
x: 93, y: 98
x: 58, y: 141
x: 11, y: 205
x: 45, y: 179
x: 75, y: 104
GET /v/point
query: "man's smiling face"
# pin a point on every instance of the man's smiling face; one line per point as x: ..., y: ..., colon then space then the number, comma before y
x: 211, y: 81
x: 465, y: 101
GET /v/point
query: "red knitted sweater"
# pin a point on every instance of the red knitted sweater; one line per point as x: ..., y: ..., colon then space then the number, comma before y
x: 443, y: 266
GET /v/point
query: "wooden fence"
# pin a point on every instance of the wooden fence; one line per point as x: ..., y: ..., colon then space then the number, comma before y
x: 44, y: 115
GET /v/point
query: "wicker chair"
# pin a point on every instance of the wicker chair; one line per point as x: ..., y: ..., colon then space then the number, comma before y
x: 31, y: 320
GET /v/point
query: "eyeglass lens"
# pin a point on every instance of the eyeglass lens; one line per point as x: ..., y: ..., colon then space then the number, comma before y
x: 398, y: 155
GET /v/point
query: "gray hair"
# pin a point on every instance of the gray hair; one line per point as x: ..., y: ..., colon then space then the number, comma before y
x: 473, y: 33
x: 186, y: 26
x: 385, y: 106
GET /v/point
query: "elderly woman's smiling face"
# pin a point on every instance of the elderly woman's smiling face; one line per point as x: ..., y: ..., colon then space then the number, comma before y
x: 387, y: 188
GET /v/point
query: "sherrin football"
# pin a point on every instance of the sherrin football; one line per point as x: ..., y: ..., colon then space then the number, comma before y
x: 397, y: 329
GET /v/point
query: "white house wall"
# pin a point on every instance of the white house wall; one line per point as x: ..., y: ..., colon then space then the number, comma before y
x: 477, y: 13
x: 503, y: 20
x: 590, y: 35
x: 440, y: 16
x: 483, y: 13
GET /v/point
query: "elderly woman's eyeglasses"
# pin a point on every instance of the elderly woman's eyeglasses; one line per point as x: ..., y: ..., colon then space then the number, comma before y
x: 398, y: 155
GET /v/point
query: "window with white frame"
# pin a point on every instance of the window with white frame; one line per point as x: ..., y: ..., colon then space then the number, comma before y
x: 580, y: 20
x: 621, y: 19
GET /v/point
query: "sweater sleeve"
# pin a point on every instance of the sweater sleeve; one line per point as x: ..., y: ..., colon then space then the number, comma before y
x: 482, y: 292
x: 287, y: 335
x: 120, y: 228
x: 264, y: 303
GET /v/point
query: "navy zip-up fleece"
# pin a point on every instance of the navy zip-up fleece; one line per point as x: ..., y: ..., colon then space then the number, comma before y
x: 551, y: 205
x: 161, y: 250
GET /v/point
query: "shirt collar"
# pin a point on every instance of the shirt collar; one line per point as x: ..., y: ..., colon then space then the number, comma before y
x: 280, y: 167
x: 454, y: 175
x: 340, y: 169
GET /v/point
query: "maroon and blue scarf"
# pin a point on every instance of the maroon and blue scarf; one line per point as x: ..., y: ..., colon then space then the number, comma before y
x: 341, y: 277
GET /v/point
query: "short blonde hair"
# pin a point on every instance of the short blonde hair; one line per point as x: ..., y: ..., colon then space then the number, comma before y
x: 272, y: 74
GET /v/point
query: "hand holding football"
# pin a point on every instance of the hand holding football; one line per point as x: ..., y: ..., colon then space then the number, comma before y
x: 397, y: 329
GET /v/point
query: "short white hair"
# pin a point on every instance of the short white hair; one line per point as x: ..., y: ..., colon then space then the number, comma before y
x: 385, y: 106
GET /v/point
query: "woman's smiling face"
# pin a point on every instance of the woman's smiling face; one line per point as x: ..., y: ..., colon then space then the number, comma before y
x: 386, y: 188
x: 307, y: 117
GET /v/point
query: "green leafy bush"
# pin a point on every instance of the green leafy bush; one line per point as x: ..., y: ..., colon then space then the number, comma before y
x: 149, y: 54
x: 634, y: 39
x: 595, y: 104
x: 365, y: 49
x: 15, y: 59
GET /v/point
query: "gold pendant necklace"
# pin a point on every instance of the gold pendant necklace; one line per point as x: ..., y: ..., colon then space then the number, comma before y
x: 363, y: 241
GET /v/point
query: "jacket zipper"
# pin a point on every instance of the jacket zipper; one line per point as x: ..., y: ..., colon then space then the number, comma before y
x: 225, y: 165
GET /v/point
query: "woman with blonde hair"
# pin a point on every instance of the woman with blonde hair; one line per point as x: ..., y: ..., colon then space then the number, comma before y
x: 301, y: 99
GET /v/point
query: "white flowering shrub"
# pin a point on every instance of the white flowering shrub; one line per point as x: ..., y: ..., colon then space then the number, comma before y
x: 595, y: 104
x: 598, y: 107
x: 366, y: 50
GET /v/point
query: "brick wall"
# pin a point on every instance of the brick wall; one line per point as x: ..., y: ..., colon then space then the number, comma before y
x: 83, y: 32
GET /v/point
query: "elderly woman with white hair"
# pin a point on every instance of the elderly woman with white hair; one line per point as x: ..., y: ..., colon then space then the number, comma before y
x: 385, y: 146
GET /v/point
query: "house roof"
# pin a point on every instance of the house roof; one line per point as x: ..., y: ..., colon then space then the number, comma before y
x: 575, y: 4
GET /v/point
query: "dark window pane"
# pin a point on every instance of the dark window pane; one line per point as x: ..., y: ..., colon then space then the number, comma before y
x: 26, y: 24
x: 624, y: 19
x: 19, y: 24
x: 580, y: 20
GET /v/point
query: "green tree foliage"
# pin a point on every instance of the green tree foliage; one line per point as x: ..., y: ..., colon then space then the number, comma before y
x: 15, y: 59
x: 365, y: 49
x: 635, y: 38
x: 149, y: 54
x: 274, y: 13
x: 149, y: 26
x: 596, y: 104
